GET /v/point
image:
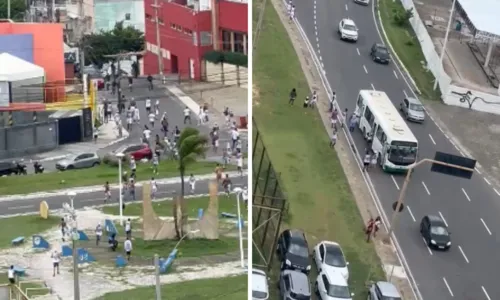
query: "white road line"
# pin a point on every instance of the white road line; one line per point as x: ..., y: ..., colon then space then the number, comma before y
x: 366, y: 71
x: 314, y: 15
x: 346, y: 8
x: 317, y: 39
x: 427, y: 246
x: 20, y: 207
x: 485, y: 293
x: 463, y: 254
x: 477, y: 170
x: 448, y: 286
x: 373, y: 87
x: 487, y: 181
x: 317, y: 45
x: 395, y: 182
x: 432, y: 139
x: 411, y: 214
x: 496, y: 191
x: 486, y: 226
x: 321, y: 57
x: 357, y: 49
x: 406, y: 95
x: 426, y: 189
x: 395, y: 74
x: 465, y: 193
x: 444, y: 220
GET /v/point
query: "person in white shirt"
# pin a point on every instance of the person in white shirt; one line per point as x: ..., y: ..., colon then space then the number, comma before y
x: 156, y: 162
x: 192, y: 183
x: 55, y: 262
x: 128, y: 228
x: 187, y: 115
x: 11, y: 274
x: 201, y: 116
x: 314, y: 99
x: 240, y: 164
x: 292, y: 13
x: 239, y: 145
x: 146, y: 134
x: 157, y: 107
x: 234, y: 137
x: 152, y: 118
x: 98, y: 234
x: 127, y: 245
x: 366, y: 161
x: 148, y: 105
x: 334, y: 139
x: 133, y: 164
x: 137, y: 115
x: 154, y: 188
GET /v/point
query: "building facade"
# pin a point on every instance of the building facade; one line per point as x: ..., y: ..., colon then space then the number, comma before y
x: 188, y: 29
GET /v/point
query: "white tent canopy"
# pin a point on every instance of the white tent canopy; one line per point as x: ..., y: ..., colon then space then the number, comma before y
x: 13, y: 69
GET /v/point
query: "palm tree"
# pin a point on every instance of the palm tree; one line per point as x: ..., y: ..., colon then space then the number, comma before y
x: 192, y: 145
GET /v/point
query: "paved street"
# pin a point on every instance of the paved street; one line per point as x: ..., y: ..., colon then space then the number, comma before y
x: 29, y: 204
x: 464, y: 271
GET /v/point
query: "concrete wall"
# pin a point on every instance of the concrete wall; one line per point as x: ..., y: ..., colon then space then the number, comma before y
x: 232, y: 74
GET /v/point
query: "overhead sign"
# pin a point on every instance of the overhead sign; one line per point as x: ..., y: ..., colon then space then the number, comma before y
x: 453, y: 161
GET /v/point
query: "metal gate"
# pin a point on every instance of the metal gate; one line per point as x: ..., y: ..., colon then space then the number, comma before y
x: 268, y: 204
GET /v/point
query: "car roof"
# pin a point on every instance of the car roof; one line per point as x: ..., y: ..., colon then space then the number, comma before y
x: 388, y: 289
x: 413, y: 100
x: 259, y: 281
x: 348, y: 21
x: 300, y: 282
x: 379, y: 45
x: 297, y: 235
x: 435, y: 220
x: 336, y: 278
x: 332, y: 248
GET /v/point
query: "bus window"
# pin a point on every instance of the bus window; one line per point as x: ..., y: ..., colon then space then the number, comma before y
x: 380, y: 134
x: 369, y: 116
x: 360, y: 101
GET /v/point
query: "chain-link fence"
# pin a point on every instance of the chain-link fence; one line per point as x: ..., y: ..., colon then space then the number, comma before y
x: 268, y: 204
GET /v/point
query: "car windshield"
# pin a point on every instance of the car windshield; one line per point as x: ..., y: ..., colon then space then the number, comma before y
x: 382, y: 50
x: 416, y: 107
x: 336, y: 260
x: 259, y: 295
x: 349, y: 27
x: 439, y: 230
x: 298, y: 250
x: 338, y: 291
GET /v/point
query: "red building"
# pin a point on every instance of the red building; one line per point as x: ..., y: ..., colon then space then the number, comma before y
x: 187, y: 30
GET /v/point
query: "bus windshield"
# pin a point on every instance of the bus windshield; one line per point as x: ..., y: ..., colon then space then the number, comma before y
x: 402, y: 153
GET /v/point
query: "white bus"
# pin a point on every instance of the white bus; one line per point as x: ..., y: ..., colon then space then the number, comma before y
x: 388, y: 135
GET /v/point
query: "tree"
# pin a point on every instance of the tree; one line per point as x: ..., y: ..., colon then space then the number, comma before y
x: 120, y: 39
x: 191, y: 146
x: 17, y: 9
x: 402, y: 16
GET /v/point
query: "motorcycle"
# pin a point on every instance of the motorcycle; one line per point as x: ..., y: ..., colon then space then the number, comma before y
x: 38, y: 168
x: 21, y: 169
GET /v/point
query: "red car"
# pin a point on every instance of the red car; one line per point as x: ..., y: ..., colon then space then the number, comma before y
x: 138, y: 151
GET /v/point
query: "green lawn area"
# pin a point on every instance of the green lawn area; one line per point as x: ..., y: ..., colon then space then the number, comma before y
x: 12, y: 185
x: 234, y: 288
x: 320, y: 199
x: 164, y: 208
x: 23, y: 226
x: 407, y: 47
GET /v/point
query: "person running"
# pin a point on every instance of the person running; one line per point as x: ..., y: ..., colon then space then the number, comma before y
x: 156, y: 162
x: 148, y: 106
x: 177, y: 134
x: 11, y: 274
x: 152, y: 119
x: 63, y: 226
x: 164, y: 125
x: 306, y: 102
x: 157, y: 108
x: 334, y: 139
x: 218, y: 172
x: 187, y: 115
x: 226, y: 184
x: 240, y: 164
x: 98, y: 234
x: 128, y: 228
x: 107, y: 192
x: 192, y: 183
x: 234, y: 138
x: 154, y: 188
x: 131, y: 188
x: 56, y: 258
x: 127, y: 245
x: 366, y: 161
x: 293, y: 95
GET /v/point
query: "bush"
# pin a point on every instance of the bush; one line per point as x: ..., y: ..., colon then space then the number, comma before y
x: 402, y: 16
x: 112, y: 160
x: 232, y: 58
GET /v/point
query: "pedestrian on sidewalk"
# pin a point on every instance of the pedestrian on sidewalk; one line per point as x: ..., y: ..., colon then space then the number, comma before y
x: 367, y: 160
x: 332, y: 101
x: 334, y: 119
x: 226, y: 157
x: 344, y: 118
x: 56, y: 258
x: 239, y: 145
x: 128, y: 228
x: 333, y: 141
x: 98, y: 233
x: 127, y: 245
x: 107, y: 192
x: 376, y: 225
x: 314, y: 100
x: 187, y: 115
x: 11, y: 274
x: 293, y: 95
x: 192, y: 183
x: 130, y: 81
x: 130, y: 114
x: 292, y: 13
x: 234, y: 137
x: 369, y: 229
x: 96, y: 133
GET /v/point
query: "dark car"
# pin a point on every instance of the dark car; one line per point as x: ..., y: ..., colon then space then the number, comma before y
x: 8, y: 168
x: 435, y: 232
x: 293, y: 251
x: 379, y: 53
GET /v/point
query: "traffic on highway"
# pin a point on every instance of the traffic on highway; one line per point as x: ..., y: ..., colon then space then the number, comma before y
x: 468, y: 209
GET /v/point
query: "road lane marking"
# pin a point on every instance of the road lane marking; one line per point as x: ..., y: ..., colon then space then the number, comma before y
x: 427, y: 246
x: 487, y: 181
x: 373, y: 87
x: 395, y: 74
x: 485, y: 293
x: 426, y: 189
x: 448, y: 286
x: 486, y: 226
x: 357, y: 49
x: 444, y: 220
x: 496, y: 191
x: 411, y: 214
x: 432, y: 139
x: 317, y: 40
x: 20, y: 207
x: 406, y: 95
x: 463, y: 254
x: 465, y: 193
x: 366, y: 71
x: 395, y: 182
x: 346, y: 8
x: 477, y: 170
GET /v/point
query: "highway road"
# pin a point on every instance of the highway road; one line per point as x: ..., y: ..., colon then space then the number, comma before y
x: 470, y: 207
x: 27, y: 205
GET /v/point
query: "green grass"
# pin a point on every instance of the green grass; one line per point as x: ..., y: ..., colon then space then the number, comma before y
x: 234, y: 288
x: 407, y: 47
x: 23, y: 226
x: 12, y: 185
x: 320, y: 199
x: 164, y: 208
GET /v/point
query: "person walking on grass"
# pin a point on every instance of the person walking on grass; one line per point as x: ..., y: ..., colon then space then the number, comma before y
x: 306, y: 102
x: 239, y: 161
x: 293, y: 95
x: 156, y: 161
x: 314, y: 100
x: 98, y: 234
x: 127, y: 245
x: 128, y: 228
x: 154, y: 188
x: 56, y: 258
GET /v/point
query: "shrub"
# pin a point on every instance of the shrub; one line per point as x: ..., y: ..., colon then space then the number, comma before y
x: 232, y: 58
x: 402, y: 16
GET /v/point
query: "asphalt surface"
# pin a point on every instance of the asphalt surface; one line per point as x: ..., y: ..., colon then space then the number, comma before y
x: 470, y: 207
x: 21, y: 205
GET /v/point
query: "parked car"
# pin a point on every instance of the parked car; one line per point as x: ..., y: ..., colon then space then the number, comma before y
x: 332, y: 286
x: 8, y: 168
x: 413, y: 110
x: 383, y: 290
x: 329, y: 257
x: 294, y: 285
x: 138, y: 151
x: 435, y: 232
x: 79, y: 161
x: 260, y: 287
x: 293, y: 251
x: 379, y: 53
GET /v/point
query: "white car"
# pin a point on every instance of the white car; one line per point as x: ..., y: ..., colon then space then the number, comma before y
x: 362, y: 2
x: 329, y: 258
x: 260, y: 287
x: 332, y: 286
x: 348, y: 30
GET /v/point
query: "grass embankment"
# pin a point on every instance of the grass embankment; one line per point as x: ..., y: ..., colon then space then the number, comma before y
x: 26, y: 226
x: 234, y: 288
x: 13, y: 185
x: 407, y: 47
x: 320, y: 199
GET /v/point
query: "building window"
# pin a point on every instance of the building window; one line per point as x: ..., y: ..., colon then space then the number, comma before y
x: 238, y: 42
x: 160, y: 21
x: 149, y: 17
x: 188, y: 32
x: 226, y: 40
x: 127, y: 17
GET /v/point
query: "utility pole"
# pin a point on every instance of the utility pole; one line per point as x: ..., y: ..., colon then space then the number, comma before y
x: 156, y: 6
x: 54, y: 11
x: 76, y: 275
x: 157, y: 277
x: 443, y: 51
x: 8, y: 9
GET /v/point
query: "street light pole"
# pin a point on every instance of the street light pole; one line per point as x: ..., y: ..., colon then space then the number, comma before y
x: 443, y: 51
x: 120, y: 188
x: 72, y: 196
x: 239, y: 192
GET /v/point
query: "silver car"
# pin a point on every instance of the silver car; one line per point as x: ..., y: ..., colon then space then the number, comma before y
x: 362, y: 2
x: 383, y: 290
x: 79, y: 161
x: 413, y: 110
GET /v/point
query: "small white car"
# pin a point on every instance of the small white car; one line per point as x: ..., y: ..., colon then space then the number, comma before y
x: 329, y: 258
x: 332, y: 286
x: 362, y: 2
x: 348, y: 30
x: 260, y: 287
